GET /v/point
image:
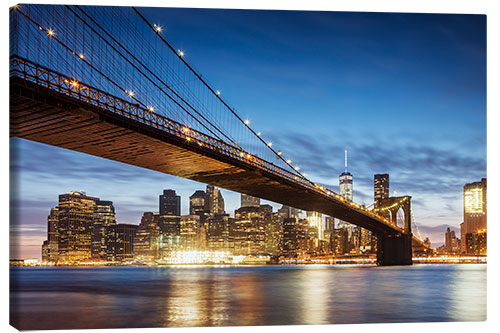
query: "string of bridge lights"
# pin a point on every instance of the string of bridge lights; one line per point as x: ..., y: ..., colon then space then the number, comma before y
x: 395, y: 204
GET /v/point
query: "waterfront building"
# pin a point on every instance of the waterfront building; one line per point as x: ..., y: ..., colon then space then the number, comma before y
x: 451, y: 242
x: 120, y: 241
x: 340, y: 241
x: 218, y: 232
x: 75, y: 219
x: 273, y: 233
x: 51, y: 247
x: 473, y: 228
x: 249, y: 201
x: 289, y: 245
x: 104, y: 216
x: 248, y: 230
x: 146, y: 245
x: 190, y: 227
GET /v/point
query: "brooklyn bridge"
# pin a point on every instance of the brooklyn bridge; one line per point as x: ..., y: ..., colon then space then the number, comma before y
x: 106, y: 81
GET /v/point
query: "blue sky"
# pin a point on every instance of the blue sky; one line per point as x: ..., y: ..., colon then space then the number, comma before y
x: 404, y: 93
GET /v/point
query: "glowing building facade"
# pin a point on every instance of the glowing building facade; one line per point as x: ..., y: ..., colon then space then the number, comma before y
x: 473, y: 229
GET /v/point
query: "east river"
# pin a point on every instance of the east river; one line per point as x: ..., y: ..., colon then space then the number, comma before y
x: 132, y: 296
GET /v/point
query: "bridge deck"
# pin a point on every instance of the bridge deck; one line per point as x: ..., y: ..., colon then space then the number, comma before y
x: 41, y: 114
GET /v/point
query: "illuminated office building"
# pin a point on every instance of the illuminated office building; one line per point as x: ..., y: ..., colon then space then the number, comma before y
x: 51, y: 249
x: 248, y: 231
x: 75, y: 220
x: 289, y: 244
x: 197, y: 204
x: 217, y: 233
x: 473, y: 229
x: 380, y: 188
x: 146, y: 246
x: 315, y: 220
x: 345, y: 182
x: 104, y: 216
x: 170, y: 213
x: 273, y: 233
x: 346, y: 190
x: 120, y: 241
x: 190, y: 232
x: 214, y: 203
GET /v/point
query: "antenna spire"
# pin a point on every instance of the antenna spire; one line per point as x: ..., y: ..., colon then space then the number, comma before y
x: 346, y: 160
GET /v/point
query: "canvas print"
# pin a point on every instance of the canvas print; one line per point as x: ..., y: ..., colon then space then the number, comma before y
x: 175, y: 167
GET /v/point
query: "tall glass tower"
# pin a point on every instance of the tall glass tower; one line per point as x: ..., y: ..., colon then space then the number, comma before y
x: 345, y: 190
x: 345, y: 182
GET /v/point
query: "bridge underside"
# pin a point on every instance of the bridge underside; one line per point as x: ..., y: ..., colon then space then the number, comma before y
x: 46, y: 116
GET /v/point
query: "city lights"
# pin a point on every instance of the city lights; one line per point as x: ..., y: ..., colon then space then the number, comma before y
x: 473, y: 200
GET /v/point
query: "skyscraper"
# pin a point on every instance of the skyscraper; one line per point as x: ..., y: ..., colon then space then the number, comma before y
x: 214, y: 203
x: 75, y: 219
x: 104, y: 216
x: 218, y: 236
x: 380, y: 188
x: 170, y: 212
x: 345, y: 190
x: 146, y: 241
x: 197, y: 203
x: 249, y: 201
x: 345, y: 182
x: 190, y: 232
x: 473, y: 229
x: 248, y: 230
x: 315, y: 220
x: 451, y: 242
x: 120, y: 241
x: 289, y: 245
x: 52, y: 245
x: 170, y: 203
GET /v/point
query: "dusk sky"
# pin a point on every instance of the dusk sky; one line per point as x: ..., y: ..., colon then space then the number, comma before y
x: 404, y: 93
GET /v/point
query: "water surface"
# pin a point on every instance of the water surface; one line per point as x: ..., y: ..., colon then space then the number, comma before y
x: 128, y: 296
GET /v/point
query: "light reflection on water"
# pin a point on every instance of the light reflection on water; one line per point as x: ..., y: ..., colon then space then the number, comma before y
x: 106, y: 297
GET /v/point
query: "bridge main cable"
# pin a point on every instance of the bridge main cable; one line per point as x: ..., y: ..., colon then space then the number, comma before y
x: 153, y: 74
x: 217, y: 95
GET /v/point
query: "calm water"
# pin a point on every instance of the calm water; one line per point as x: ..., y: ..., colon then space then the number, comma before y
x: 106, y: 297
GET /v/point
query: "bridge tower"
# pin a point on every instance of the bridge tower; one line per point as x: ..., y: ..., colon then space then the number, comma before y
x: 395, y: 249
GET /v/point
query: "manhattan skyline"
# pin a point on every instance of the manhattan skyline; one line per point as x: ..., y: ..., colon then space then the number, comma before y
x: 404, y: 93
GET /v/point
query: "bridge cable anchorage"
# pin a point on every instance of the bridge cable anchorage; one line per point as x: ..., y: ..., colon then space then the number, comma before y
x: 154, y: 75
x: 214, y: 92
